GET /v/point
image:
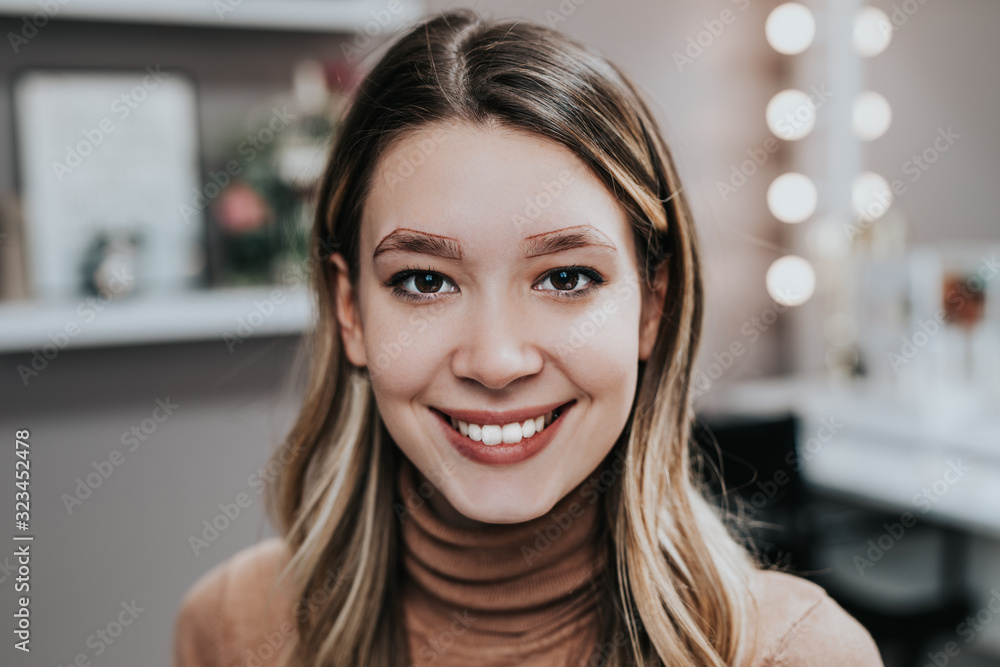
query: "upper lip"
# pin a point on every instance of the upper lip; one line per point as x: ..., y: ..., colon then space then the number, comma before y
x: 483, y: 417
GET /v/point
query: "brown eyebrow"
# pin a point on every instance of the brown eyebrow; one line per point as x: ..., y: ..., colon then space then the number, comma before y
x: 411, y: 240
x: 567, y: 238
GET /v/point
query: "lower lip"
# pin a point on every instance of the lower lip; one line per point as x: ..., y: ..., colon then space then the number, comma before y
x: 504, y: 453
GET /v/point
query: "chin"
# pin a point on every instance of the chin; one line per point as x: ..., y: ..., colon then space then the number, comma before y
x: 503, y: 501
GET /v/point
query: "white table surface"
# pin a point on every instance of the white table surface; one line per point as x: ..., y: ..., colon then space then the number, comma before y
x: 885, y: 451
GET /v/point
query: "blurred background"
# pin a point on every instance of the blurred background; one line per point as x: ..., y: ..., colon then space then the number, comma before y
x: 155, y: 180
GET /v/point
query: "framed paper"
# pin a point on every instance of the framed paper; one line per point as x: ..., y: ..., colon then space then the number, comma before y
x: 108, y: 154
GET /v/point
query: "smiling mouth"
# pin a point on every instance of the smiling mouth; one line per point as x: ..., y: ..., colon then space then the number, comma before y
x: 513, y: 433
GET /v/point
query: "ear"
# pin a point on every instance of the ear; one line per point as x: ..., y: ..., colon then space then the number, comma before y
x: 652, y: 311
x: 348, y: 315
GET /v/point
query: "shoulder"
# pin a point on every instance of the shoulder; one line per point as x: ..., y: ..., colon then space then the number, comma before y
x: 232, y: 606
x: 799, y: 624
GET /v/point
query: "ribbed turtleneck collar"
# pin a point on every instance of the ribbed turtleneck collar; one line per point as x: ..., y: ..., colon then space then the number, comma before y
x: 523, y: 594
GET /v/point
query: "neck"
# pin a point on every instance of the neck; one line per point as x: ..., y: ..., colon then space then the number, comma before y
x: 532, y: 588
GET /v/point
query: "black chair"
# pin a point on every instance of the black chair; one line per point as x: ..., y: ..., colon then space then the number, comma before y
x: 750, y: 464
x: 746, y: 466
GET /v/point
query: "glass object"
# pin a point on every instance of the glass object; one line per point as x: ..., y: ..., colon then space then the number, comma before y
x: 963, y: 306
x: 955, y: 328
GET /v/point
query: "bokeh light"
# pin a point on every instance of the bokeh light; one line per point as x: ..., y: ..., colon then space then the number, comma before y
x: 872, y: 115
x: 871, y: 196
x: 791, y: 280
x: 790, y: 114
x: 790, y: 28
x: 792, y: 197
x: 872, y: 31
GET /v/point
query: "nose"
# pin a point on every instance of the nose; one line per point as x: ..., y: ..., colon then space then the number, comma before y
x: 498, y: 344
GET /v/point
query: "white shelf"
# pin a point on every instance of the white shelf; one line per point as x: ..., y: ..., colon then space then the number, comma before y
x: 226, y: 315
x: 299, y: 15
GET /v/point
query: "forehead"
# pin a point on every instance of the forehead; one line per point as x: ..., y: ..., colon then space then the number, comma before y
x: 485, y: 186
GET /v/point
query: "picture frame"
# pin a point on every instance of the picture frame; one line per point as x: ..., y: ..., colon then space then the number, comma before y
x: 105, y: 160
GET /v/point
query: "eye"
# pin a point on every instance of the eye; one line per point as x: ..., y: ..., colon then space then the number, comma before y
x: 425, y: 282
x: 415, y: 284
x: 565, y: 279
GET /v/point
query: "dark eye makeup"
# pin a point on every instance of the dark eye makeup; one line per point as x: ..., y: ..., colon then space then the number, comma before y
x: 560, y: 274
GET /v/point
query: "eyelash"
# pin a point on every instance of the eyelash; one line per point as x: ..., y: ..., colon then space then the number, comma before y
x: 596, y: 281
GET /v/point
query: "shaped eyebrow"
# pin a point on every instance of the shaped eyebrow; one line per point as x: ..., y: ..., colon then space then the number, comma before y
x: 421, y: 243
x: 547, y: 243
x: 568, y: 238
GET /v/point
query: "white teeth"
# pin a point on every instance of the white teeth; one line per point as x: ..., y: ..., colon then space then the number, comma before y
x: 494, y: 434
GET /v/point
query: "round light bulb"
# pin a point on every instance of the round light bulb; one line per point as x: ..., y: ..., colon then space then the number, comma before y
x: 871, y: 196
x: 790, y: 280
x: 872, y: 31
x: 790, y: 115
x: 872, y: 115
x: 790, y: 28
x: 791, y: 197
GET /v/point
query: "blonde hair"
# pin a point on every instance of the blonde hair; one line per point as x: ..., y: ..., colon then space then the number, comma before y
x: 676, y: 581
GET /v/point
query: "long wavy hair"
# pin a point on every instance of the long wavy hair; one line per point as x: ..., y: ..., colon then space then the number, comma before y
x: 677, y: 578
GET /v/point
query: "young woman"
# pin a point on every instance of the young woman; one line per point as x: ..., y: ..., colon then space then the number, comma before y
x: 491, y: 464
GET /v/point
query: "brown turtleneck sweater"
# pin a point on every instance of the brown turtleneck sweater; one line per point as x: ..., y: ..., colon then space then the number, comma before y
x: 510, y: 594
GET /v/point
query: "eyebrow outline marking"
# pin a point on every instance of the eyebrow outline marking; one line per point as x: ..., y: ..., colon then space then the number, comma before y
x: 404, y: 239
x: 567, y: 238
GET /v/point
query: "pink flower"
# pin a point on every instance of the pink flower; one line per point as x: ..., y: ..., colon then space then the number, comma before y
x: 241, y: 209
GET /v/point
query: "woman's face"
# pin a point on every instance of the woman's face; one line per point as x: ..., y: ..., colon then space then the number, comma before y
x: 493, y: 320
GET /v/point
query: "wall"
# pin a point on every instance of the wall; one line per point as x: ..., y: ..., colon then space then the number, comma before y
x: 129, y: 539
x: 940, y: 71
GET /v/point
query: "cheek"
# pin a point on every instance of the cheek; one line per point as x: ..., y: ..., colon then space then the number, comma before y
x: 401, y: 354
x: 602, y: 361
x: 400, y: 364
x: 601, y: 344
